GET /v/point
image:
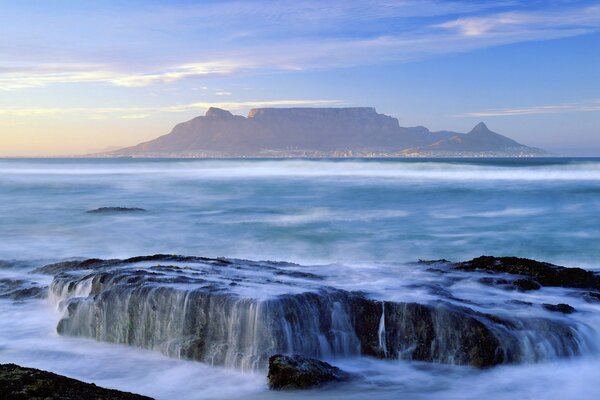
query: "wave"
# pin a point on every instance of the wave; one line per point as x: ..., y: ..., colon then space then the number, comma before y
x: 391, y: 169
x: 506, y: 212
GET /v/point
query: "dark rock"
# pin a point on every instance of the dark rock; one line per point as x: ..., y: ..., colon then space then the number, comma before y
x: 113, y: 210
x: 297, y: 372
x: 545, y: 274
x: 522, y: 285
x: 442, y: 333
x: 204, y: 309
x: 19, y: 383
x: 434, y: 262
x: 592, y: 297
x: 526, y: 285
x: 562, y: 308
x: 17, y: 289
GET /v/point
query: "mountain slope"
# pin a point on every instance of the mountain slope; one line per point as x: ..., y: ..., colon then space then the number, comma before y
x: 311, y: 132
x: 480, y: 140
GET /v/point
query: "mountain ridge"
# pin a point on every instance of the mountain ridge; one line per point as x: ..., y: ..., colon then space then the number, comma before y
x: 317, y: 132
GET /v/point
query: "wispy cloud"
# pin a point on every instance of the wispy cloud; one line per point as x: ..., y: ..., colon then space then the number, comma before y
x: 545, y: 109
x: 20, y: 77
x: 254, y: 37
x: 526, y: 22
x: 144, y: 112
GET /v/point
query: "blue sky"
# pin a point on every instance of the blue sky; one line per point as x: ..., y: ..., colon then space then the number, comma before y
x: 79, y: 76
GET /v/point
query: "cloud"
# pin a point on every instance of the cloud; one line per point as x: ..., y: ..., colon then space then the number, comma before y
x: 578, y: 20
x: 20, y: 77
x: 546, y: 109
x: 257, y: 37
x: 144, y: 112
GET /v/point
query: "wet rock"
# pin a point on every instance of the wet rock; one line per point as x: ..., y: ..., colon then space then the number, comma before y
x: 562, y: 308
x: 212, y: 310
x: 297, y: 372
x: 115, y: 210
x: 522, y: 285
x: 543, y: 273
x: 526, y: 285
x: 19, y: 383
x: 434, y: 262
x: 592, y: 297
x: 17, y: 289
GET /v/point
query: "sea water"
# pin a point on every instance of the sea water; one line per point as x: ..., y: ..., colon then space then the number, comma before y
x: 359, y: 222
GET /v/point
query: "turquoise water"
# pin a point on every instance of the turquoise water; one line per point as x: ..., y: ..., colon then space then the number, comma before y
x: 360, y: 223
x: 309, y: 211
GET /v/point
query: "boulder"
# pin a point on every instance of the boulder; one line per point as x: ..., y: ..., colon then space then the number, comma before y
x: 297, y: 372
x: 562, y: 308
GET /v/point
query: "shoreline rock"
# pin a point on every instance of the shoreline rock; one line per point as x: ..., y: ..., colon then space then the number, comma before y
x: 545, y: 274
x: 21, y: 383
x: 297, y: 372
x: 204, y: 309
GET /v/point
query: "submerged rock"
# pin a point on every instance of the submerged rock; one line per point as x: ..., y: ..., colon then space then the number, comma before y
x: 297, y: 372
x: 18, y: 289
x: 526, y: 285
x: 522, y: 285
x: 112, y: 210
x: 33, y: 384
x: 562, y: 308
x: 543, y: 273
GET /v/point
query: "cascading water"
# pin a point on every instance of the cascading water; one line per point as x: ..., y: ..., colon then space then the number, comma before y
x: 381, y: 332
x: 208, y: 310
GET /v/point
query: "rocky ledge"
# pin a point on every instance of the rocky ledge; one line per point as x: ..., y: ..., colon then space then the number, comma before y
x: 20, y: 383
x: 239, y: 313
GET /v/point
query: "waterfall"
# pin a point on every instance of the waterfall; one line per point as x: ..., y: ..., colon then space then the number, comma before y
x: 381, y: 332
x: 204, y: 314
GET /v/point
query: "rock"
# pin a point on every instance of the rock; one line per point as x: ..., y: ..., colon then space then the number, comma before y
x: 592, y: 297
x: 115, y: 210
x: 522, y: 285
x: 238, y: 313
x: 543, y: 273
x: 20, y: 383
x: 562, y: 308
x: 526, y: 285
x: 297, y: 372
x: 17, y: 289
x: 433, y: 262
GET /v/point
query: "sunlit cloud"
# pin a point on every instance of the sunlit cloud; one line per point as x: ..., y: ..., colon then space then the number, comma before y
x: 525, y: 22
x: 20, y: 77
x: 546, y: 109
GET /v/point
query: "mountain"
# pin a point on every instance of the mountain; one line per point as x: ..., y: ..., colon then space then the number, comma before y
x: 480, y: 140
x: 314, y: 132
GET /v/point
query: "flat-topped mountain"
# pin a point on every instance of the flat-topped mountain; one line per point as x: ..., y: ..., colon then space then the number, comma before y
x: 285, y: 132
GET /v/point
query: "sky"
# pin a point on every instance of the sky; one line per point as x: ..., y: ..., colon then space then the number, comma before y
x: 78, y: 77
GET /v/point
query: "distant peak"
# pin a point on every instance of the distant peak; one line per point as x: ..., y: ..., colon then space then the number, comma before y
x: 480, y: 127
x: 215, y: 112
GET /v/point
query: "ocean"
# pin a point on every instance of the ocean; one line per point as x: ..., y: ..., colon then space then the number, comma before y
x: 362, y: 223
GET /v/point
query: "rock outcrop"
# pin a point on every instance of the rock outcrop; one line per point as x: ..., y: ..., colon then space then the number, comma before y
x: 238, y: 313
x: 20, y: 383
x: 545, y: 274
x: 297, y: 372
